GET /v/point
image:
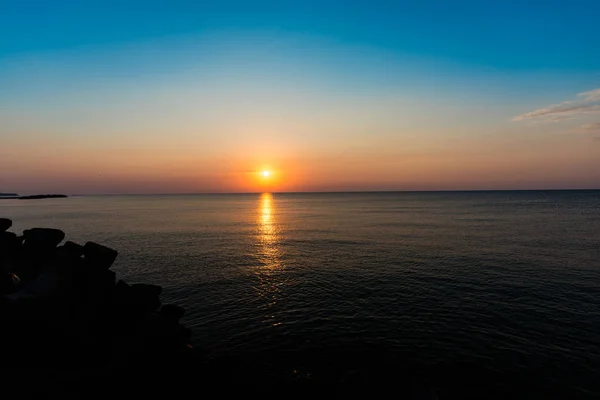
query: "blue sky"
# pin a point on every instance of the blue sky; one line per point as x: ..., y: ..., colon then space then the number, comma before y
x: 502, y: 34
x: 333, y: 94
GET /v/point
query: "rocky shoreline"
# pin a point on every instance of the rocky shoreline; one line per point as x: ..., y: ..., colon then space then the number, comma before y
x: 67, y: 321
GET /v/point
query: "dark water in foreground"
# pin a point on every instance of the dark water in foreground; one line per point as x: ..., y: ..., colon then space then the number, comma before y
x: 503, y: 282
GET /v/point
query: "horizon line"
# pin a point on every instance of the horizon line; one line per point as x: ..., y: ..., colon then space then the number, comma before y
x: 336, y: 192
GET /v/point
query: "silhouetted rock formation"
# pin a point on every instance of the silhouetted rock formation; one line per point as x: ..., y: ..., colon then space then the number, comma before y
x: 5, y: 223
x: 172, y: 311
x: 99, y: 256
x: 42, y: 196
x: 39, y: 241
x: 62, y: 305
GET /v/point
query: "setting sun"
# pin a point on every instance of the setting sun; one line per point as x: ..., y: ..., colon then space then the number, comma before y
x: 266, y: 178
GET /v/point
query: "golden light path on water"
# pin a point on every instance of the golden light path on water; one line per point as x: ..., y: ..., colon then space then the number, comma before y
x: 269, y: 255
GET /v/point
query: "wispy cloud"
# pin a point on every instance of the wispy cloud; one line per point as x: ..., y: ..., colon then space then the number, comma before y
x: 592, y: 95
x: 595, y: 127
x: 587, y: 103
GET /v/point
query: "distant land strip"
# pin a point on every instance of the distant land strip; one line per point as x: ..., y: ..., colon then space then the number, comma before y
x: 32, y: 197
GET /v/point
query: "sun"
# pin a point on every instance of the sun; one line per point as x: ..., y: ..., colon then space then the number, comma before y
x: 265, y: 177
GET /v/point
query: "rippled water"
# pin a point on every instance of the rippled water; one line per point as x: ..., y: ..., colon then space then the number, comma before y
x: 507, y: 281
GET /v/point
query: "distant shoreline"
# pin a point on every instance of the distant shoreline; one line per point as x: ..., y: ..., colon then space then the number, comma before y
x: 32, y: 197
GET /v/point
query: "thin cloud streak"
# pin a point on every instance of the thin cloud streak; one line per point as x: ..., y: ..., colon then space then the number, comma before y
x: 589, y: 103
x: 594, y: 127
x: 593, y: 95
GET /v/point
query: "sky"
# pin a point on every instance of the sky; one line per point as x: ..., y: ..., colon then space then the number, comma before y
x: 108, y: 97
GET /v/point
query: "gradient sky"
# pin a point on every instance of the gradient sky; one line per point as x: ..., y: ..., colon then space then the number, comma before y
x: 179, y: 97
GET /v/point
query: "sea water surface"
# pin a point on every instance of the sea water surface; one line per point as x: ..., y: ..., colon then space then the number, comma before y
x: 508, y: 281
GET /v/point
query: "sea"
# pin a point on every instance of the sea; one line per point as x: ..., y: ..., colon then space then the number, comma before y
x: 499, y: 284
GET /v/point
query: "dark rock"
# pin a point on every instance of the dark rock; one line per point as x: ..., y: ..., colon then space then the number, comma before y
x: 5, y: 223
x: 122, y: 293
x: 146, y: 297
x: 136, y: 298
x: 151, y: 290
x: 172, y: 311
x: 7, y: 282
x: 158, y: 333
x: 122, y: 286
x: 44, y: 284
x: 63, y: 302
x: 44, y: 234
x: 42, y: 238
x: 122, y: 298
x: 101, y: 279
x: 99, y: 286
x: 9, y: 244
x: 73, y: 249
x: 110, y: 279
x: 185, y: 333
x: 98, y: 255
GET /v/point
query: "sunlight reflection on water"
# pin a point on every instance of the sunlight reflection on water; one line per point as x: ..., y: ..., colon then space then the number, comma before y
x: 269, y: 270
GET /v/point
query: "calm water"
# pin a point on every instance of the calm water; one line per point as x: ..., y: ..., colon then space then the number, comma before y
x: 506, y: 281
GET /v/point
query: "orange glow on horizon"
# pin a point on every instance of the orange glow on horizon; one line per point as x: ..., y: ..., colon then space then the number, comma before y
x: 266, y: 179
